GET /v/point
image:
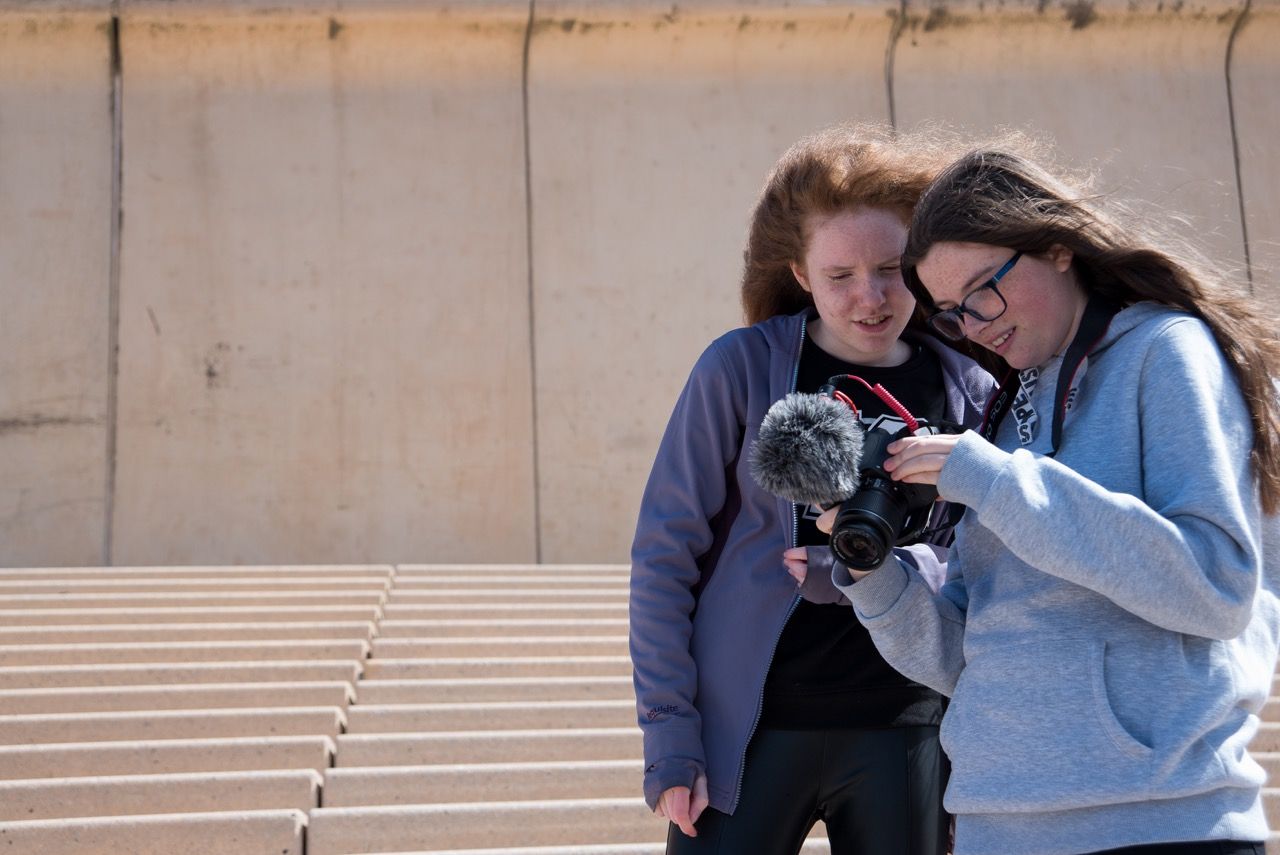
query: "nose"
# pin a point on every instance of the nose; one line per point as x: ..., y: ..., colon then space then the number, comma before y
x: 970, y: 325
x: 869, y: 292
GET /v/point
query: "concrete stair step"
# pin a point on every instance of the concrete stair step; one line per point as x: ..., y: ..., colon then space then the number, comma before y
x: 409, y: 571
x: 331, y: 693
x: 1267, y: 739
x: 494, y: 715
x: 497, y: 666
x: 144, y: 674
x: 279, y: 832
x: 812, y: 846
x: 118, y: 653
x: 241, y: 571
x: 191, y: 584
x: 128, y: 795
x: 337, y: 831
x: 1271, y: 804
x: 184, y: 632
x: 169, y: 724
x: 164, y: 756
x: 509, y: 645
x: 487, y: 746
x: 509, y: 580
x: 189, y: 614
x: 191, y: 599
x: 468, y: 627
x: 477, y: 782
x: 615, y: 593
x: 501, y: 611
x: 478, y: 689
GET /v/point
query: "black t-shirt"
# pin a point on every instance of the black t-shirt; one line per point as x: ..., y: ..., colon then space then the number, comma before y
x: 826, y: 672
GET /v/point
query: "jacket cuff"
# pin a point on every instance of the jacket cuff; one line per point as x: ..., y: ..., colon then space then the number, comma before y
x: 875, y: 594
x: 818, y: 587
x: 970, y: 471
x: 665, y: 774
x: 673, y: 755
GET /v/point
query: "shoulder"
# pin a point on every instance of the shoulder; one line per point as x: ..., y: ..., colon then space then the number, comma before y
x: 1168, y: 341
x: 753, y: 345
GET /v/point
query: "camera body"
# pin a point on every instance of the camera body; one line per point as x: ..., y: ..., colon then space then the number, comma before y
x: 882, y: 513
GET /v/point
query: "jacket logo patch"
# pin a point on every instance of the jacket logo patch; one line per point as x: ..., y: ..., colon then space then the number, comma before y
x: 666, y: 709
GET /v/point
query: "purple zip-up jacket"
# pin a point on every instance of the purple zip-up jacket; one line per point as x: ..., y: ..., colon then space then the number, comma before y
x: 709, y: 592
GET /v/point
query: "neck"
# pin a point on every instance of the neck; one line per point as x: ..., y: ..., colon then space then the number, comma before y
x: 897, y: 354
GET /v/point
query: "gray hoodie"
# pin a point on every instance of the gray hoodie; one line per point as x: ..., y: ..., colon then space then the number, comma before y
x: 709, y: 592
x: 1108, y: 627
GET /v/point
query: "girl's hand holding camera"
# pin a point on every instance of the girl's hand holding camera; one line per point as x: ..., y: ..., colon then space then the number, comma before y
x: 918, y: 459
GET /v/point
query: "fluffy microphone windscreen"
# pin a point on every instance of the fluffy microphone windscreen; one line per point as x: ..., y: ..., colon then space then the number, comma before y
x: 808, y: 450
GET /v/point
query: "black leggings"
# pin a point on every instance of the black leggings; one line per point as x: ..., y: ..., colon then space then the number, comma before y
x: 1199, y: 847
x: 878, y: 791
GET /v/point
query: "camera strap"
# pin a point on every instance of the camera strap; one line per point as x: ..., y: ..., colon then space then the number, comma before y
x: 1097, y: 317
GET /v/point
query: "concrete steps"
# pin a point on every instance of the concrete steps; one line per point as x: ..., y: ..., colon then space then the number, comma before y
x: 278, y: 832
x: 477, y: 782
x: 333, y: 693
x: 184, y: 632
x: 546, y: 715
x: 442, y: 710
x: 162, y: 756
x: 478, y: 689
x: 177, y: 673
x: 201, y: 792
x: 497, y: 666
x: 487, y: 746
x: 337, y: 831
x: 171, y: 710
x: 169, y: 724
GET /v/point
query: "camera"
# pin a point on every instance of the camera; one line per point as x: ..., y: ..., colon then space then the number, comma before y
x: 812, y: 449
x: 882, y: 512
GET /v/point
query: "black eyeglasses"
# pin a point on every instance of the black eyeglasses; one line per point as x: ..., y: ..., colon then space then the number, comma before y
x: 984, y: 303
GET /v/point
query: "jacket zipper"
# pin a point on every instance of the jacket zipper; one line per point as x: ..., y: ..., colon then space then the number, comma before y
x: 795, y: 602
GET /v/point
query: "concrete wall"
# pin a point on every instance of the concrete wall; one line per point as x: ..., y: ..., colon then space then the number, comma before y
x: 419, y: 281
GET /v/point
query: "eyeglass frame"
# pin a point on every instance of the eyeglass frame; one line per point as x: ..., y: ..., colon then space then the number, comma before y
x: 959, y: 311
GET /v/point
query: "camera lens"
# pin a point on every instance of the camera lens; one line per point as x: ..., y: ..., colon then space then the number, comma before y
x: 858, y: 547
x: 867, y: 526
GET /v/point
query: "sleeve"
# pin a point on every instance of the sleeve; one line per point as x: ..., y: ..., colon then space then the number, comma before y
x: 917, y: 625
x: 687, y: 487
x: 818, y: 587
x: 1186, y: 555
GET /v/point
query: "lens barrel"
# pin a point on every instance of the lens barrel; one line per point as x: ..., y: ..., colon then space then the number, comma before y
x: 867, y: 525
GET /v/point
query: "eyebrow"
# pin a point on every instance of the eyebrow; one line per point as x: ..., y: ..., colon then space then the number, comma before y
x: 892, y: 259
x: 969, y: 288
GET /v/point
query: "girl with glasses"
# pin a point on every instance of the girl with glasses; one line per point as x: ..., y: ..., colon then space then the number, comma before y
x: 1108, y: 627
x: 764, y: 707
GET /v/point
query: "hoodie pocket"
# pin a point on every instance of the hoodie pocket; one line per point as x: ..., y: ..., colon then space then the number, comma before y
x: 1031, y: 728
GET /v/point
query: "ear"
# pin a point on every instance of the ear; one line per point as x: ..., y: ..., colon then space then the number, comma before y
x: 798, y: 272
x: 1060, y: 257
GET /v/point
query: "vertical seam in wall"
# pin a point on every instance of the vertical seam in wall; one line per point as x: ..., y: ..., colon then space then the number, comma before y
x: 528, y: 232
x: 890, y: 54
x: 1235, y: 140
x: 113, y: 286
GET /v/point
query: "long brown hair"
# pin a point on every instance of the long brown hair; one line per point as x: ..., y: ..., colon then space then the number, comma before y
x: 1001, y: 198
x: 834, y: 170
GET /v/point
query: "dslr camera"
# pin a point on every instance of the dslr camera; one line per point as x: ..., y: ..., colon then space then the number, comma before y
x: 812, y: 449
x: 882, y: 513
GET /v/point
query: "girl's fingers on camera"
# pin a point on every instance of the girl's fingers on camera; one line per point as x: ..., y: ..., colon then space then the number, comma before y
x: 921, y: 453
x: 828, y: 520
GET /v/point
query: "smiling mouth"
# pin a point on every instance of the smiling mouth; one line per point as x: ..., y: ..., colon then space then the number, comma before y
x: 873, y: 322
x: 997, y: 343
